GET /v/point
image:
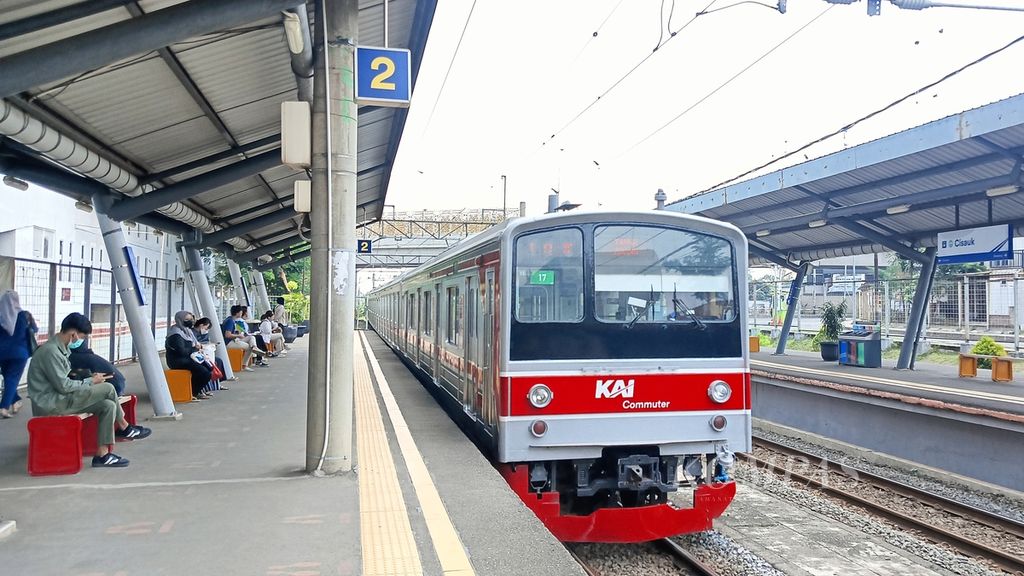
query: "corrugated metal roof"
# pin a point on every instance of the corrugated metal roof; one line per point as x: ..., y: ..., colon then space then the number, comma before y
x: 946, y: 165
x: 140, y: 109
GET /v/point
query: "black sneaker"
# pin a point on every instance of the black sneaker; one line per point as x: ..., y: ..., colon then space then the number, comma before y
x: 133, y: 433
x: 111, y: 460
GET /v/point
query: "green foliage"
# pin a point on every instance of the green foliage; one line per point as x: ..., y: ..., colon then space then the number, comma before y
x: 297, y: 305
x: 988, y: 347
x: 765, y: 340
x: 832, y: 317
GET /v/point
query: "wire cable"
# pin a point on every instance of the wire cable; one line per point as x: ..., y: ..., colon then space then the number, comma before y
x: 594, y: 35
x: 621, y: 79
x: 727, y: 82
x: 451, y: 63
x: 844, y: 129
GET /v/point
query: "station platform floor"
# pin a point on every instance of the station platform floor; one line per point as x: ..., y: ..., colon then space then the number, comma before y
x: 936, y: 384
x: 223, y: 491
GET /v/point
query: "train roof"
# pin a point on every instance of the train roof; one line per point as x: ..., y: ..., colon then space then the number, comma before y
x: 559, y: 219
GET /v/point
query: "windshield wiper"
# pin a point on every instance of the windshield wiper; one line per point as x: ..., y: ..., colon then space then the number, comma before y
x: 642, y: 312
x: 677, y: 304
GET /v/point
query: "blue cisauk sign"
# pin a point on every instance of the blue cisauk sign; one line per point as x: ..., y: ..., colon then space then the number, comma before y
x: 383, y: 76
x: 975, y: 245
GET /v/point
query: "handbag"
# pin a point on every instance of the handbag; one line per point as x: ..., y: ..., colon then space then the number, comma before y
x: 30, y: 336
x: 216, y: 374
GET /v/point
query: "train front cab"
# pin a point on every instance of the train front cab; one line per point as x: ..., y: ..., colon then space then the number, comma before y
x: 624, y: 374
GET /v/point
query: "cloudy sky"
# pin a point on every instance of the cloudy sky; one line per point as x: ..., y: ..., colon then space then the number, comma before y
x: 729, y: 91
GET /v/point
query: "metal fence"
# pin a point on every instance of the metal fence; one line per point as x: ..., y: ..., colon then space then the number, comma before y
x: 960, y: 309
x: 50, y: 291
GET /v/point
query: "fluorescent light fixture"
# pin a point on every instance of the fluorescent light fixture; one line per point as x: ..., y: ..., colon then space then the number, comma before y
x: 763, y: 233
x: 817, y: 223
x: 16, y: 183
x: 83, y: 206
x: 130, y: 223
x: 293, y: 32
x: 900, y: 209
x: 991, y: 192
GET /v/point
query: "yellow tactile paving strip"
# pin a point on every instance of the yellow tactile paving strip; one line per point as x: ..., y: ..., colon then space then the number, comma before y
x: 387, y: 542
x: 447, y: 544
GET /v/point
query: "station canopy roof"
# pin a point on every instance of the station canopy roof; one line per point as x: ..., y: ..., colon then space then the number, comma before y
x: 892, y: 194
x: 132, y: 98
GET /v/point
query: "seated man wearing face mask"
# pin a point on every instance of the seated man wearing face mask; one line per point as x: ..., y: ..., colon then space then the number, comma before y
x: 53, y: 393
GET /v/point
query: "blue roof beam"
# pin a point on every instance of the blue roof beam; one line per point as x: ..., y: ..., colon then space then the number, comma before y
x: 236, y: 230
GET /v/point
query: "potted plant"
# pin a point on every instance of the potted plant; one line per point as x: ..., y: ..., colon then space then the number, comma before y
x: 832, y: 316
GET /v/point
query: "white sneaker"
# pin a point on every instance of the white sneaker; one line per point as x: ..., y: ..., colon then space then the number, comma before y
x: 248, y: 369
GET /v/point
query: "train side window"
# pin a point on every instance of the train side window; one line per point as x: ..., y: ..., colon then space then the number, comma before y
x: 410, y: 313
x: 549, y: 276
x: 454, y: 317
x: 426, y: 313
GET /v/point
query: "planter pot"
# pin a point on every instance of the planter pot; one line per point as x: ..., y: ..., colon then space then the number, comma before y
x: 830, y: 351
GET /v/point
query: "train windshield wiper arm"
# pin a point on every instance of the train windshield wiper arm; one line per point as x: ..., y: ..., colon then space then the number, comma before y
x: 642, y: 312
x: 679, y: 304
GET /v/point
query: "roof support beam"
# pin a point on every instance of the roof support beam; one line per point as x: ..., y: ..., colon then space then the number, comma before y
x: 237, y: 230
x: 269, y: 248
x: 766, y: 253
x: 132, y: 207
x: 226, y: 220
x: 57, y: 17
x: 97, y: 48
x: 213, y: 158
x: 284, y: 260
x: 887, y: 241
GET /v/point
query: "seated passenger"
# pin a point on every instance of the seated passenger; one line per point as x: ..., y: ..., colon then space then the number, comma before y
x: 53, y: 393
x: 202, y: 332
x: 86, y: 362
x: 185, y: 353
x: 236, y: 337
x: 271, y: 333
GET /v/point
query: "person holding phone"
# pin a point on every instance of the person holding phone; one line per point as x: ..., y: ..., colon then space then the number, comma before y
x: 53, y: 393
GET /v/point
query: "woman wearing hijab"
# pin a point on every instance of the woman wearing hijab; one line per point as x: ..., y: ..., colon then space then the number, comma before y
x: 16, y: 329
x: 181, y: 344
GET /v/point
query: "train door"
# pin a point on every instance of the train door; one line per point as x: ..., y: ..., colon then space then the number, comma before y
x: 486, y: 390
x: 470, y: 346
x: 436, y: 357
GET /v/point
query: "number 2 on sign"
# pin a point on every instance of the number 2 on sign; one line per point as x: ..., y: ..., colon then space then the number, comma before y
x: 378, y: 82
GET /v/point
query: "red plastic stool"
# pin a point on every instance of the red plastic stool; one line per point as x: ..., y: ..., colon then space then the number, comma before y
x: 55, y: 444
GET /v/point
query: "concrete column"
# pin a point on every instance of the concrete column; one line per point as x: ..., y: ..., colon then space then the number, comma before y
x: 908, y: 351
x: 138, y: 317
x: 261, y: 290
x: 194, y: 268
x: 335, y: 121
x: 241, y: 295
x: 189, y: 288
x: 792, y: 303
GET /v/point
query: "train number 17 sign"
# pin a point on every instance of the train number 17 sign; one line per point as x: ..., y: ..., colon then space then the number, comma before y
x: 383, y: 76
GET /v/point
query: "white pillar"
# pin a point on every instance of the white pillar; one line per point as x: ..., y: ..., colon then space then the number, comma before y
x: 138, y: 319
x: 241, y: 295
x: 261, y: 288
x: 194, y: 268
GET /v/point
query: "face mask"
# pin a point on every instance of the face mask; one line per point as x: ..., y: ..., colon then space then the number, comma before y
x: 75, y: 344
x: 204, y: 331
x: 189, y: 323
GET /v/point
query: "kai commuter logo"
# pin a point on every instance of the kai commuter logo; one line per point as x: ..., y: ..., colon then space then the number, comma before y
x: 614, y: 389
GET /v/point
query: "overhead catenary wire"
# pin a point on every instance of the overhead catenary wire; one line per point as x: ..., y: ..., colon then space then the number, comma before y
x: 726, y: 83
x: 595, y: 34
x: 847, y: 127
x: 440, y: 92
x: 622, y: 78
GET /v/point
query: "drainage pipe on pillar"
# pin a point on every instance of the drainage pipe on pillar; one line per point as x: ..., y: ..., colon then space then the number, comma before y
x: 194, y: 268
x: 138, y: 319
x: 792, y: 303
x: 918, y: 309
x: 296, y: 30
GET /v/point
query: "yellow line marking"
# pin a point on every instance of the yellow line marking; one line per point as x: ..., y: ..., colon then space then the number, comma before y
x: 449, y: 548
x: 897, y: 383
x: 387, y: 541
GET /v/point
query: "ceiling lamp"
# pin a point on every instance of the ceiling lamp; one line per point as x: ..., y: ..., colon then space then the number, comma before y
x: 899, y: 209
x: 16, y: 183
x: 763, y: 233
x: 817, y: 223
x: 1001, y: 190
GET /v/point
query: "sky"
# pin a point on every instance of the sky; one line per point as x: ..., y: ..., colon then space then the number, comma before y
x: 529, y: 70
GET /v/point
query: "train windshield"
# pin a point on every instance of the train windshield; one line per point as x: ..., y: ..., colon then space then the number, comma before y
x: 647, y: 274
x: 549, y: 276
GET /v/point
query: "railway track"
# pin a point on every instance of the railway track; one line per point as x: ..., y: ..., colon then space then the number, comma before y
x: 1011, y: 562
x: 682, y: 558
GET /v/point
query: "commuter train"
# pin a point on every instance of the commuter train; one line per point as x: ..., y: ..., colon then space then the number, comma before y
x: 601, y: 358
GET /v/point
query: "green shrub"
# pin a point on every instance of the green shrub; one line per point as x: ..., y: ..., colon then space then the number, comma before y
x: 988, y: 347
x: 832, y: 317
x: 297, y: 305
x: 765, y: 339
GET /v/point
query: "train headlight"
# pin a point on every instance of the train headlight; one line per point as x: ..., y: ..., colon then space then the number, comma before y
x: 718, y: 423
x: 540, y: 395
x: 719, y: 392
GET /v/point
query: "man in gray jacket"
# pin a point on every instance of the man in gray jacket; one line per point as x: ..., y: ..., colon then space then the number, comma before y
x: 53, y: 393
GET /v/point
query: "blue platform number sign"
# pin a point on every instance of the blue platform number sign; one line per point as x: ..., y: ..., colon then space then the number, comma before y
x: 383, y: 76
x: 364, y: 246
x: 133, y: 271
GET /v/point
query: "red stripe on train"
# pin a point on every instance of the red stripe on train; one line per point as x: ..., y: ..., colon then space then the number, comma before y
x: 625, y: 393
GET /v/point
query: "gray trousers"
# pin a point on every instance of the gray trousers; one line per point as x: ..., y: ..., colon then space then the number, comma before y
x: 100, y: 400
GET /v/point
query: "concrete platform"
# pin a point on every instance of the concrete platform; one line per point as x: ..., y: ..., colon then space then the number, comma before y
x: 222, y: 491
x: 935, y: 382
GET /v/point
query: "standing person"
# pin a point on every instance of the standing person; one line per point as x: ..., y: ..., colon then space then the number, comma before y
x: 181, y: 349
x: 271, y: 333
x: 17, y: 336
x: 53, y: 393
x: 282, y: 319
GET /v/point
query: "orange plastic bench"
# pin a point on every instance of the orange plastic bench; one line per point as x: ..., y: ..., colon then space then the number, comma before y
x: 1002, y: 366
